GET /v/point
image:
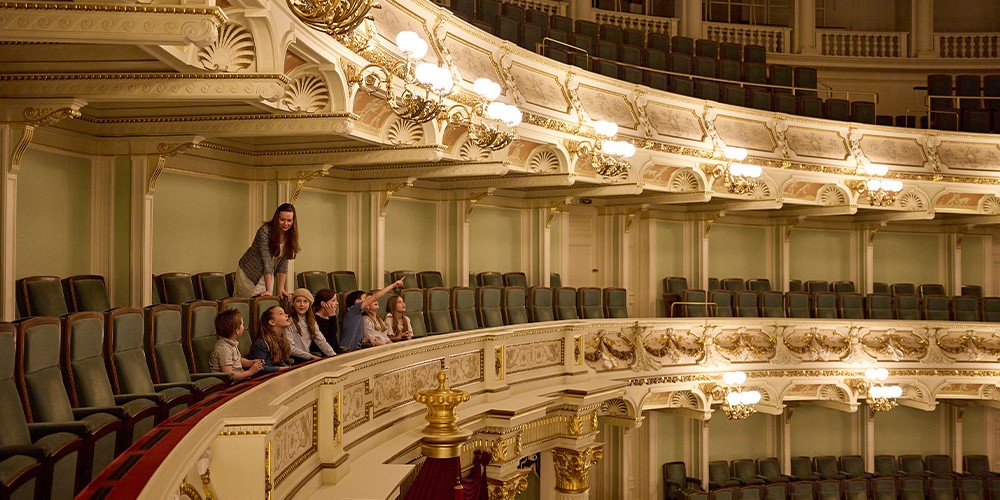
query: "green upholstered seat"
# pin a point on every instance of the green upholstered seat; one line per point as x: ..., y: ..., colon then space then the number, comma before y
x: 727, y: 493
x: 884, y: 488
x: 912, y: 465
x: 241, y: 304
x: 745, y: 470
x: 540, y: 304
x: 801, y: 490
x: 20, y: 474
x: 965, y: 308
x: 86, y: 293
x: 797, y: 305
x: 165, y: 351
x: 759, y: 285
x: 719, y: 476
x: 907, y: 307
x: 751, y: 492
x: 714, y: 284
x: 772, y: 304
x: 210, y: 286
x: 675, y: 284
x: 723, y: 300
x: 940, y: 465
x: 565, y: 306
x: 769, y: 470
x: 513, y: 304
x: 912, y: 488
x: 852, y: 466
x: 313, y: 281
x: 828, y: 489
x: 40, y: 296
x: 430, y: 279
x: 128, y: 367
x: 515, y: 279
x: 977, y: 465
x: 58, y: 449
x: 676, y: 482
x: 86, y: 376
x: 903, y: 289
x: 991, y: 309
x: 555, y: 281
x: 886, y: 465
x: 843, y: 287
x: 734, y: 284
x: 851, y: 305
x: 879, y: 306
x: 489, y: 278
x: 39, y: 375
x: 816, y: 286
x: 802, y: 468
x: 463, y: 308
x: 488, y: 306
x: 972, y: 291
x: 935, y: 307
x: 409, y: 278
x: 439, y: 319
x: 174, y: 288
x: 941, y: 488
x: 258, y: 305
x: 881, y: 287
x: 795, y: 286
x: 824, y: 305
x: 931, y: 289
x: 588, y: 303
x: 615, y: 302
x: 344, y: 281
x: 198, y: 329
x: 747, y: 304
x: 414, y: 299
x: 971, y: 488
x: 776, y: 491
x: 827, y: 468
x: 694, y: 304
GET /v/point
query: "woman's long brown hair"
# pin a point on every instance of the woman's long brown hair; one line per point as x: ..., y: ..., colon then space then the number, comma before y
x: 291, y: 236
x: 277, y: 343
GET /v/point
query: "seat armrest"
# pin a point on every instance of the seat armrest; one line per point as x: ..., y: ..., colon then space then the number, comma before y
x: 115, y: 411
x: 184, y: 385
x: 29, y: 450
x: 225, y: 377
x: 42, y: 429
x: 125, y: 398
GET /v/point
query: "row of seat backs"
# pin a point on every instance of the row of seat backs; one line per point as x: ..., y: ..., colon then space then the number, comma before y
x: 968, y: 87
x: 443, y: 310
x: 676, y: 284
x: 50, y: 296
x: 878, y: 488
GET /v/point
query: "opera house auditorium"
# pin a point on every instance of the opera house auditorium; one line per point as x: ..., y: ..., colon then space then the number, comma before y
x: 648, y: 249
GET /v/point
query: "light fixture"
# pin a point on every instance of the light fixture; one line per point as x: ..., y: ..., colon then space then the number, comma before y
x: 737, y: 177
x: 881, y: 397
x: 881, y: 191
x: 609, y: 157
x: 424, y: 86
x: 490, y: 123
x: 739, y: 404
x: 333, y: 17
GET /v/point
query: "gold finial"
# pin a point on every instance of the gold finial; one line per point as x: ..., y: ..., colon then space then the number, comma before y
x: 442, y: 436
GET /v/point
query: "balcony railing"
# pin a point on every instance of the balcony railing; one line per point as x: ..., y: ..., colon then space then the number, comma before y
x: 862, y: 43
x: 774, y: 38
x: 649, y: 24
x: 968, y: 45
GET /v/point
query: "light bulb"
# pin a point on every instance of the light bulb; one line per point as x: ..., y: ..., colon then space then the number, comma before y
x: 411, y: 44
x: 892, y: 185
x: 425, y: 72
x: 737, y: 169
x: 877, y: 169
x: 486, y: 88
x: 606, y: 128
x: 441, y: 82
x: 874, y: 185
x: 628, y: 150
x: 734, y: 154
x: 750, y: 397
x: 877, y: 392
x: 733, y: 398
x: 752, y: 171
x: 734, y: 378
x: 894, y: 391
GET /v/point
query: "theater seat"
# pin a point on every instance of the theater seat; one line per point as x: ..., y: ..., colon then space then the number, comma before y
x: 344, y: 281
x: 86, y: 292
x: 409, y: 278
x: 313, y: 281
x: 40, y: 296
x: 588, y: 301
x: 879, y: 306
x: 565, y: 307
x: 615, y: 302
x: 165, y: 352
x: 463, y: 308
x: 211, y: 286
x: 430, y: 279
x: 515, y: 279
x: 513, y: 304
x: 414, y: 300
x: 723, y: 300
x: 198, y: 332
x: 488, y: 306
x: 436, y: 305
x: 772, y: 304
x: 540, y: 304
x: 174, y: 288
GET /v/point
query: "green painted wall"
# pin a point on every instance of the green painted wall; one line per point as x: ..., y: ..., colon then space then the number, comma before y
x: 53, y: 215
x: 907, y: 258
x: 668, y: 256
x: 833, y: 246
x: 123, y: 232
x: 730, y: 439
x: 737, y: 252
x: 669, y: 435
x: 322, y: 220
x: 975, y: 435
x: 834, y: 438
x: 199, y: 224
x: 495, y: 235
x: 906, y: 430
x: 556, y: 243
x: 973, y: 260
x: 411, y: 236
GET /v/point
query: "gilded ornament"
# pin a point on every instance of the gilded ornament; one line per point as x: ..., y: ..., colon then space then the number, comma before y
x: 572, y: 467
x: 510, y: 488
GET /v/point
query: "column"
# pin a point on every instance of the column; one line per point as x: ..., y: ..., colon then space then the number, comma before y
x: 379, y: 203
x: 782, y: 257
x: 544, y: 248
x: 645, y: 279
x: 581, y: 10
x: 785, y: 455
x: 102, y: 221
x: 804, y: 27
x: 690, y: 14
x: 285, y: 190
x: 509, y: 487
x: 141, y: 246
x: 702, y: 426
x: 953, y: 256
x: 571, y: 470
x: 8, y: 222
x: 957, y: 418
x: 866, y: 262
x: 465, y: 215
x: 696, y: 234
x: 868, y: 450
x: 922, y: 29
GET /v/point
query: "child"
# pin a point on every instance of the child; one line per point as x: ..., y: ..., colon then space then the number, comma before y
x: 325, y: 311
x: 270, y: 344
x: 376, y: 333
x: 353, y: 330
x: 225, y: 356
x: 303, y: 331
x: 397, y: 321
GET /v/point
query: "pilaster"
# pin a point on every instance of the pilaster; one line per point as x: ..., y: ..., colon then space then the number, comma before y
x: 141, y: 246
x: 102, y: 221
x: 509, y: 487
x: 922, y: 28
x: 8, y: 221
x: 572, y: 467
x: 953, y: 259
x: 804, y: 28
x: 690, y: 15
x: 464, y: 216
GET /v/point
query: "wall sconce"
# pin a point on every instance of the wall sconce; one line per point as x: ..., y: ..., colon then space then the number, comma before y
x: 424, y: 84
x: 737, y: 177
x: 881, y: 191
x: 490, y: 123
x: 333, y: 17
x: 881, y: 397
x: 739, y: 404
x: 610, y: 158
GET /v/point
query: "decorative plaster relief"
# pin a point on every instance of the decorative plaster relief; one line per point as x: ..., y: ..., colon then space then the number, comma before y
x: 470, y: 151
x: 990, y: 205
x: 816, y: 143
x: 970, y: 345
x: 744, y: 133
x: 603, y: 104
x: 307, y: 92
x: 816, y: 343
x: 658, y: 174
x: 404, y: 133
x: 355, y: 405
x: 959, y: 201
x: 970, y: 391
x: 465, y: 368
x: 372, y: 111
x: 472, y: 61
x: 520, y: 151
x: 159, y: 24
x: 885, y: 344
x: 233, y: 50
x: 673, y: 121
x: 394, y: 18
x: 893, y: 150
x: 831, y: 195
x: 686, y: 181
x: 745, y: 344
x: 540, y: 89
x: 534, y: 355
x: 969, y: 156
x: 393, y: 389
x: 806, y: 191
x: 292, y: 441
x: 544, y: 161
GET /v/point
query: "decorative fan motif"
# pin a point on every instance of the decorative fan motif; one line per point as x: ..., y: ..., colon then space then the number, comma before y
x: 544, y: 161
x: 831, y: 196
x: 990, y: 205
x: 232, y: 52
x: 616, y: 407
x: 472, y: 152
x: 307, y: 93
x: 684, y: 399
x: 760, y: 190
x: 911, y: 201
x: 404, y: 133
x: 684, y: 181
x: 830, y: 392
